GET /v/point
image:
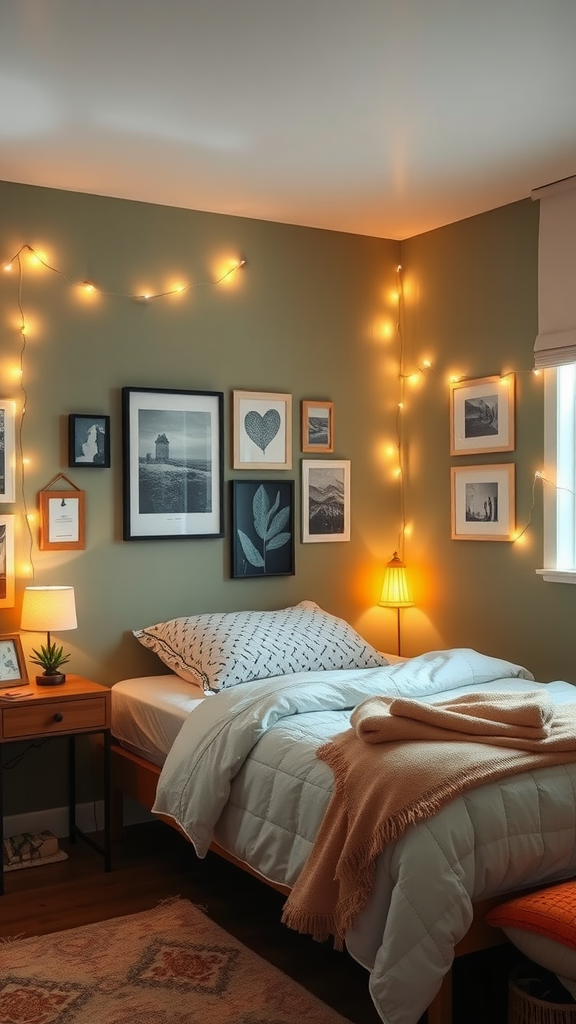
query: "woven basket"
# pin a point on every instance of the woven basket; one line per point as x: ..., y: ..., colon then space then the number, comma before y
x: 524, y: 1006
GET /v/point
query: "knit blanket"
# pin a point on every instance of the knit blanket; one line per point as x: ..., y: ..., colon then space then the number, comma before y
x: 401, y: 762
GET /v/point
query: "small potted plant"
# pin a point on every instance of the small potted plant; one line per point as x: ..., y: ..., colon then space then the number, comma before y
x: 50, y: 658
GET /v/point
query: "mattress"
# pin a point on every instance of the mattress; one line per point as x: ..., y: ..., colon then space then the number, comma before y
x: 148, y: 712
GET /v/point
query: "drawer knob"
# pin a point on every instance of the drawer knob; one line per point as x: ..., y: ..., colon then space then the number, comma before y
x: 58, y: 717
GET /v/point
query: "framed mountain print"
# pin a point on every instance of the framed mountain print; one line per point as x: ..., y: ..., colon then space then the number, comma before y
x: 325, y: 500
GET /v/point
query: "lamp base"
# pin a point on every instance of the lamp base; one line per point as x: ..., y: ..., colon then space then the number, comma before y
x: 56, y: 679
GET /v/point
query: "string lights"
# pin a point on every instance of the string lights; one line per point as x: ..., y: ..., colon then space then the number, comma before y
x: 36, y: 259
x: 89, y: 287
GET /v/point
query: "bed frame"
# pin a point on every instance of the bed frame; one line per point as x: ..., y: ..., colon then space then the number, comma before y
x: 134, y: 777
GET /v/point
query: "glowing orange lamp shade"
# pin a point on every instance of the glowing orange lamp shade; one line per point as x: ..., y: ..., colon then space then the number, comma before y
x: 396, y: 591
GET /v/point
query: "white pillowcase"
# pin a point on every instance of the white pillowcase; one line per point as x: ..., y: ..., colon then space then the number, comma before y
x: 218, y: 650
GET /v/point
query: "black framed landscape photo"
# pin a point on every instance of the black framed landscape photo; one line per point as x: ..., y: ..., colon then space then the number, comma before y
x: 6, y: 561
x: 325, y: 500
x: 7, y: 450
x: 262, y: 430
x: 483, y: 502
x: 262, y: 539
x: 317, y: 426
x: 89, y: 440
x: 482, y: 415
x: 173, y: 464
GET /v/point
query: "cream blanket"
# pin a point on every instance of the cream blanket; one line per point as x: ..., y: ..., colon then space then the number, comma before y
x: 400, y: 763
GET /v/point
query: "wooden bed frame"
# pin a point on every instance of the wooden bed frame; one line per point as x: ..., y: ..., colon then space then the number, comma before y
x: 134, y: 777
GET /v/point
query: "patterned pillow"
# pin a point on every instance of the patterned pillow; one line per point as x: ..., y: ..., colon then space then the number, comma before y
x: 219, y: 650
x: 542, y: 925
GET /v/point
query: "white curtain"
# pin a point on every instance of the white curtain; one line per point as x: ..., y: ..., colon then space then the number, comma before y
x: 556, y: 341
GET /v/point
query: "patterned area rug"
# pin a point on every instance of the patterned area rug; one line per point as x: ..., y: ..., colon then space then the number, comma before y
x: 170, y: 965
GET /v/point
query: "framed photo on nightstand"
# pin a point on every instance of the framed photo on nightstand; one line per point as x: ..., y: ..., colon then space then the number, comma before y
x: 12, y: 664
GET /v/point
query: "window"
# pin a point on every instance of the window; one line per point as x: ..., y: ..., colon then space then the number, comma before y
x: 555, y: 353
x: 560, y: 490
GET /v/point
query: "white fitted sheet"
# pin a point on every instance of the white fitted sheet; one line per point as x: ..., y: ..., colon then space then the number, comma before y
x: 148, y: 712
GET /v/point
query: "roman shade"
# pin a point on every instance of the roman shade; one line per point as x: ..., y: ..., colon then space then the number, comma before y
x: 556, y: 340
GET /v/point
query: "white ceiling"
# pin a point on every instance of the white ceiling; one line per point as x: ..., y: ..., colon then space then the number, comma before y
x: 384, y: 117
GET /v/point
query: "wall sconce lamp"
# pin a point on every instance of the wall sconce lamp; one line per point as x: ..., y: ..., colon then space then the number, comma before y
x: 47, y: 609
x: 396, y: 591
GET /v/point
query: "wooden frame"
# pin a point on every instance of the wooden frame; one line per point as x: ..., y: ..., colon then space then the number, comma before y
x: 262, y: 536
x: 136, y: 778
x: 261, y: 430
x: 317, y: 426
x: 325, y: 500
x: 13, y: 670
x: 173, y: 464
x: 6, y: 561
x: 483, y: 502
x: 62, y: 520
x: 482, y: 415
x: 7, y: 450
x: 89, y: 440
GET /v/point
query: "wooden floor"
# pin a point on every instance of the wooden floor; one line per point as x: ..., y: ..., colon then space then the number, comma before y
x: 154, y: 862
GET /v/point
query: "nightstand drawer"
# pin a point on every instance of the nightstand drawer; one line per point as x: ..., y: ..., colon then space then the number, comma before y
x: 51, y: 717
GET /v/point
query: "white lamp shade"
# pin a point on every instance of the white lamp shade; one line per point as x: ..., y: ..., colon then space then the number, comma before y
x: 48, y: 609
x: 395, y: 586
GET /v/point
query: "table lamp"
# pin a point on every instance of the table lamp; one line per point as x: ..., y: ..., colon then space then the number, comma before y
x: 396, y: 591
x: 49, y: 609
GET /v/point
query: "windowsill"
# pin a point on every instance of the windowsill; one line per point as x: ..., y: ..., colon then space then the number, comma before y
x: 557, y: 575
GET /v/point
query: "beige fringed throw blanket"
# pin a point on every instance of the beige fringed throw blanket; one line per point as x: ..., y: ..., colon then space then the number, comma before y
x: 400, y: 763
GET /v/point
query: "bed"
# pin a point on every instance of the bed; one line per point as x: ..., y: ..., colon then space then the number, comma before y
x: 233, y: 765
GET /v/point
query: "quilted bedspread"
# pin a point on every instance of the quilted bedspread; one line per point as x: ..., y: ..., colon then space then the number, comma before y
x: 243, y: 771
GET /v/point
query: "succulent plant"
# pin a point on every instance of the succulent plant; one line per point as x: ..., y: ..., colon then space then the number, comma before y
x: 51, y: 658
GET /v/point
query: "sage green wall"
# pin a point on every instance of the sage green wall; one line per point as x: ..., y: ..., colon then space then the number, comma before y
x: 305, y: 317
x: 313, y: 314
x: 471, y: 307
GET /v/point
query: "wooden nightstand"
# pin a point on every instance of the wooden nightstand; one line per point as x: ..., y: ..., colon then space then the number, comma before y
x: 77, y: 707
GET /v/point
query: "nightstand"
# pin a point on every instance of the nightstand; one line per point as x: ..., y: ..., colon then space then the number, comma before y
x: 77, y: 707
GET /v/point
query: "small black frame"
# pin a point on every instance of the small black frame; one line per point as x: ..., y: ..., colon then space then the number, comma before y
x: 88, y: 440
x: 262, y: 535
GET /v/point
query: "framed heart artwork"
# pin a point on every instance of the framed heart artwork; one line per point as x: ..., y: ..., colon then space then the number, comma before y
x: 262, y: 430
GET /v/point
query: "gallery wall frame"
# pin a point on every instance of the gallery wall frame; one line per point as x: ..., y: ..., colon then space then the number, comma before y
x: 173, y: 463
x: 262, y: 535
x: 7, y: 590
x: 261, y: 430
x: 7, y: 450
x: 13, y: 671
x: 317, y: 426
x: 62, y: 516
x: 325, y: 500
x: 483, y: 502
x: 482, y: 415
x: 88, y: 441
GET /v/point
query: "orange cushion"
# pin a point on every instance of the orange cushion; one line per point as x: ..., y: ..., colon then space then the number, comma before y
x: 550, y: 912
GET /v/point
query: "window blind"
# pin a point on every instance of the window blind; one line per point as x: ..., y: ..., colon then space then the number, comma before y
x: 556, y: 340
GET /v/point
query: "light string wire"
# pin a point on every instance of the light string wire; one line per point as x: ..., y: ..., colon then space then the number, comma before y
x: 180, y: 290
x: 539, y: 475
x: 402, y: 376
x: 24, y: 392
